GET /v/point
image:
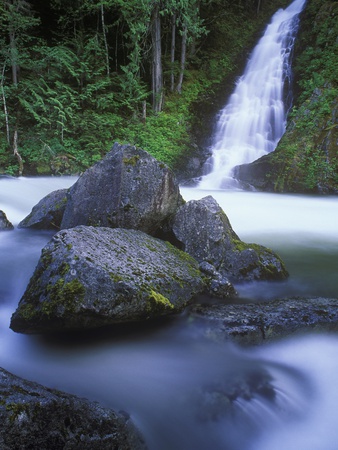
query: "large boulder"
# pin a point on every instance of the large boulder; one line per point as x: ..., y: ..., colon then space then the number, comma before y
x: 48, y: 213
x: 206, y: 234
x: 34, y: 417
x: 90, y: 277
x: 127, y: 189
x: 5, y: 224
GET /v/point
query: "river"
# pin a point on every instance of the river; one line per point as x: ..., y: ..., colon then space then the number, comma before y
x: 151, y: 372
x: 157, y: 373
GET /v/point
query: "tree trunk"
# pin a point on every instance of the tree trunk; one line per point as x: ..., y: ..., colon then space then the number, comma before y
x: 195, y: 19
x: 258, y: 6
x: 14, y: 58
x: 144, y: 111
x: 16, y: 153
x: 183, y: 59
x: 5, y: 104
x: 157, y: 76
x: 105, y: 40
x: 172, y: 53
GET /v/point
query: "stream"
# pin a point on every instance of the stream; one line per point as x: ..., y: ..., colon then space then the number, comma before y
x: 151, y: 371
x: 165, y: 375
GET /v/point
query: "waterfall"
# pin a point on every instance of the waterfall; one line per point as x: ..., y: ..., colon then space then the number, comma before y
x: 254, y: 119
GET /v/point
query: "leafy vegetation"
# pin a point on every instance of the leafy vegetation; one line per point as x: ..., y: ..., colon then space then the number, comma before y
x: 75, y: 76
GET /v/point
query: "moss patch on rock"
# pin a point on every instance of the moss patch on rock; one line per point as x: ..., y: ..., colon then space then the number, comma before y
x: 90, y: 277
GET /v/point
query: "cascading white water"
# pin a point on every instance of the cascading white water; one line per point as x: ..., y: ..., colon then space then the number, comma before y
x: 253, y: 121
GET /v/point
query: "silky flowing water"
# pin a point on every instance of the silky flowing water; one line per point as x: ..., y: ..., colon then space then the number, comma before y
x: 153, y: 372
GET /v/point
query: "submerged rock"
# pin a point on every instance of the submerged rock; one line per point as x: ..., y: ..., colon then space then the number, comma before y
x: 224, y: 398
x: 206, y: 234
x: 48, y: 213
x: 127, y: 189
x: 257, y: 323
x: 5, y: 224
x: 90, y: 277
x: 35, y: 417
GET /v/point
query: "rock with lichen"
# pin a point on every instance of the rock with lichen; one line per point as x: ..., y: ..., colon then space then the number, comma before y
x: 48, y: 213
x: 35, y: 417
x: 90, y: 277
x: 204, y: 231
x: 127, y: 189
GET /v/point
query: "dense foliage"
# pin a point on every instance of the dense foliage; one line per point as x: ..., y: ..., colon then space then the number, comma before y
x: 75, y: 76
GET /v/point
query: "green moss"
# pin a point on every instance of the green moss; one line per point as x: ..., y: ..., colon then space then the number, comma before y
x: 61, y: 204
x: 185, y: 257
x: 273, y: 271
x: 259, y: 249
x: 20, y: 390
x: 115, y: 277
x: 151, y: 247
x: 27, y: 311
x: 240, y: 245
x: 269, y: 270
x: 132, y: 161
x: 46, y: 258
x: 157, y: 302
x: 64, y: 269
x: 15, y: 409
x: 63, y: 295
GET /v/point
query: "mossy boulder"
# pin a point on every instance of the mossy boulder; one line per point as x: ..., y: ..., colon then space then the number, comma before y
x: 35, y: 417
x: 48, y: 213
x: 126, y: 189
x: 206, y: 234
x: 90, y: 277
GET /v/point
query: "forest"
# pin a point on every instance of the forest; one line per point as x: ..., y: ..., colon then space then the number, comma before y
x: 76, y: 76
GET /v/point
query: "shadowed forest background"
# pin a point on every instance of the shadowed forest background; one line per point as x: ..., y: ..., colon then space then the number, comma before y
x: 77, y: 76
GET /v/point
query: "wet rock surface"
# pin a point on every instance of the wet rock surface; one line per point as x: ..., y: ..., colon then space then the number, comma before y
x: 5, y: 224
x: 48, y: 213
x: 89, y: 277
x: 126, y: 189
x: 206, y: 234
x: 104, y: 267
x: 257, y: 323
x: 35, y: 417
